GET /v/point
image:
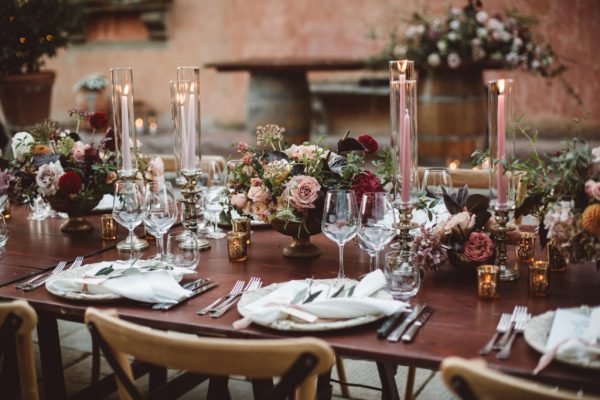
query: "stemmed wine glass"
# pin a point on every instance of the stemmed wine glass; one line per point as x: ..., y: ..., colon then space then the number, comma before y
x: 216, y: 178
x: 376, y: 229
x: 161, y: 213
x: 214, y: 207
x: 434, y: 180
x: 340, y: 220
x: 128, y: 208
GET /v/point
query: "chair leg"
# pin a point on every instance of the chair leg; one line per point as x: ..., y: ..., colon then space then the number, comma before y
x: 410, y: 383
x: 339, y: 363
x: 387, y: 372
x: 95, y: 361
x: 217, y: 388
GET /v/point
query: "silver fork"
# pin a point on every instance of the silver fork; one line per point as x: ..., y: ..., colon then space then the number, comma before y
x: 519, y: 328
x: 58, y: 267
x: 76, y: 264
x: 502, y: 327
x: 516, y: 311
x: 239, y: 285
x: 253, y: 284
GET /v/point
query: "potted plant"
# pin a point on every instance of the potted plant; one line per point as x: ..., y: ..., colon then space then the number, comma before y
x: 31, y: 31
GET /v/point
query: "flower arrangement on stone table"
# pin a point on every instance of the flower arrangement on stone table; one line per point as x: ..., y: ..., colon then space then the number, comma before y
x: 278, y: 181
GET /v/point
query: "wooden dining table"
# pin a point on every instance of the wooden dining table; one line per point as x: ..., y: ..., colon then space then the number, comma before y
x: 460, y: 325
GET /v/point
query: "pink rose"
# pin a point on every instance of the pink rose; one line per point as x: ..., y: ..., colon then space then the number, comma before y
x: 479, y: 247
x: 593, y: 189
x: 260, y: 210
x: 78, y: 151
x: 300, y: 151
x: 256, y: 181
x: 259, y: 193
x: 239, y: 200
x: 302, y: 191
x: 247, y: 159
x: 242, y: 147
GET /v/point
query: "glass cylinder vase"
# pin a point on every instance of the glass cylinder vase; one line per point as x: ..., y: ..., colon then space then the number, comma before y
x: 123, y: 118
x: 501, y: 129
x: 187, y: 112
x: 403, y: 119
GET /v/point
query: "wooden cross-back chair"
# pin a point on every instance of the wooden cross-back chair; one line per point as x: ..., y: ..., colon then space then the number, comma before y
x: 17, y: 320
x: 297, y: 361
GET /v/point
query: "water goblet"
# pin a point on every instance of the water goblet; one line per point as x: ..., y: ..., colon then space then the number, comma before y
x: 377, y: 225
x: 128, y: 208
x: 161, y: 213
x: 435, y: 181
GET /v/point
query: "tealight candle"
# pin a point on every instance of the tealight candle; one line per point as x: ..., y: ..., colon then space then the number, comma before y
x: 237, y: 246
x: 110, y: 229
x: 243, y: 225
x: 525, y: 248
x: 556, y: 258
x: 487, y: 281
x: 538, y: 278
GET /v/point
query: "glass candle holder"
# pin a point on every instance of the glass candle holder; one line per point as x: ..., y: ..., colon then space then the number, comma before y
x: 525, y: 248
x: 487, y: 281
x: 538, y: 278
x: 110, y: 229
x: 243, y: 225
x: 501, y: 141
x: 237, y: 246
x: 185, y: 101
x: 556, y: 258
x: 403, y: 119
x: 123, y: 118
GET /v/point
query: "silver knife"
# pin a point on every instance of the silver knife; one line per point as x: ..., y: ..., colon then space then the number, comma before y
x: 397, y: 333
x: 201, y: 288
x: 414, y: 328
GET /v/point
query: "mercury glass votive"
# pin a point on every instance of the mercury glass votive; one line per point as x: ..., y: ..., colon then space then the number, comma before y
x: 487, y: 281
x: 525, y: 248
x: 243, y: 225
x: 237, y: 246
x: 556, y: 258
x: 538, y: 278
x: 110, y: 229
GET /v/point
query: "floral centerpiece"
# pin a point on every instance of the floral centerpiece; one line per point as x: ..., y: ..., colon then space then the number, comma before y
x: 285, y: 185
x: 57, y: 165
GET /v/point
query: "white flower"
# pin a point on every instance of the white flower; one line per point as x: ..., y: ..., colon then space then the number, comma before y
x: 505, y: 36
x: 596, y: 154
x: 453, y: 60
x: 497, y: 56
x: 478, y: 53
x: 434, y: 59
x: 560, y: 221
x: 420, y: 29
x: 436, y: 23
x: 481, y: 33
x: 535, y: 64
x: 475, y: 42
x: 512, y: 58
x: 47, y: 178
x: 299, y: 151
x: 400, y: 51
x: 442, y: 46
x: 455, y: 11
x: 494, y: 24
x: 454, y: 24
x: 21, y: 145
x: 481, y: 17
x: 453, y: 36
x: 517, y: 42
x: 547, y: 61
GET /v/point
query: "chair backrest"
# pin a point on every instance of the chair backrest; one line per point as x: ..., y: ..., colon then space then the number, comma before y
x: 214, y: 356
x: 472, y: 380
x: 28, y: 321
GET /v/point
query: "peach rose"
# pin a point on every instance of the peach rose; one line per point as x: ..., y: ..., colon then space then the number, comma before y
x: 259, y: 193
x: 593, y: 189
x: 302, y: 191
x: 79, y: 151
x: 239, y: 200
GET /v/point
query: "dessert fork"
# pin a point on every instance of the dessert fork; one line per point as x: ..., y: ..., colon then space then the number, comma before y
x: 502, y: 327
x: 239, y: 285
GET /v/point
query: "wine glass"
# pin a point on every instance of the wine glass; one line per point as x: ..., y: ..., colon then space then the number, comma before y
x: 216, y: 179
x: 214, y: 207
x: 340, y: 220
x: 435, y: 180
x: 161, y: 213
x: 128, y: 208
x: 376, y: 229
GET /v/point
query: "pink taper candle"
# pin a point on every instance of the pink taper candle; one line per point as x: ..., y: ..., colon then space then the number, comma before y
x: 125, y: 145
x: 192, y: 130
x: 405, y: 158
x: 501, y: 184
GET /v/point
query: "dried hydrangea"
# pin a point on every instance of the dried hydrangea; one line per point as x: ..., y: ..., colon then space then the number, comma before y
x: 277, y: 171
x: 269, y: 135
x: 430, y: 253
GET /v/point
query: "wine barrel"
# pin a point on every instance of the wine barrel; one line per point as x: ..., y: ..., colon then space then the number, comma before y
x: 285, y: 102
x: 451, y: 115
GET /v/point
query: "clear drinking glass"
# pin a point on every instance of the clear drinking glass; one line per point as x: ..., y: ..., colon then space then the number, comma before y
x: 214, y: 207
x: 402, y: 275
x: 376, y: 229
x: 182, y: 256
x: 3, y: 231
x: 340, y: 220
x: 161, y: 213
x: 435, y: 180
x: 216, y: 178
x: 128, y: 207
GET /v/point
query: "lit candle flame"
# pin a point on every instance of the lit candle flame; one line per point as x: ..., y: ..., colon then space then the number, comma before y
x: 402, y: 65
x: 126, y: 90
x: 192, y: 87
x: 500, y: 86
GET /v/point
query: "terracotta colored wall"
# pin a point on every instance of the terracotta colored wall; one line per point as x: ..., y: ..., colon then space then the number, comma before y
x: 208, y: 30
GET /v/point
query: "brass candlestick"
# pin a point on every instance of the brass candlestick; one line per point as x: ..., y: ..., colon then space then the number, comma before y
x: 404, y: 226
x: 508, y: 272
x: 125, y: 244
x: 189, y: 214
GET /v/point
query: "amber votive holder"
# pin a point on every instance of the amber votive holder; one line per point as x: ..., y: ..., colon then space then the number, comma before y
x: 243, y: 225
x: 110, y: 229
x: 487, y: 281
x: 525, y: 248
x: 237, y: 246
x: 538, y: 278
x: 556, y: 258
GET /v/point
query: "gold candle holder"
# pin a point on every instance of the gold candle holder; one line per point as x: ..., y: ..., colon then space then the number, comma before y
x: 538, y: 278
x: 508, y: 271
x: 237, y: 246
x: 487, y: 281
x: 525, y: 248
x: 556, y: 258
x: 110, y: 229
x: 243, y: 225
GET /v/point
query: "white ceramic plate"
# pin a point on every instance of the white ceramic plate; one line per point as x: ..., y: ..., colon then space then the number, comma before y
x: 294, y: 326
x: 537, y: 331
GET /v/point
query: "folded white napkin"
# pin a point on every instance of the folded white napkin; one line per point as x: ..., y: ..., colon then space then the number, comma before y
x: 277, y: 304
x: 105, y: 204
x: 573, y: 336
x: 141, y: 284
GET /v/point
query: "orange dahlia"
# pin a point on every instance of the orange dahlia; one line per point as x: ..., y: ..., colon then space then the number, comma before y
x: 40, y: 149
x: 591, y: 219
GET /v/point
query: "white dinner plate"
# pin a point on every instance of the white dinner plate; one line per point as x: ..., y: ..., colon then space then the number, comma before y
x: 537, y: 331
x: 295, y: 326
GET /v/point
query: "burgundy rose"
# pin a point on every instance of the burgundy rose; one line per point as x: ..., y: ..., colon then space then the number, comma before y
x: 98, y: 120
x: 370, y: 144
x: 365, y: 182
x: 109, y: 140
x: 70, y: 183
x: 91, y: 155
x: 479, y: 247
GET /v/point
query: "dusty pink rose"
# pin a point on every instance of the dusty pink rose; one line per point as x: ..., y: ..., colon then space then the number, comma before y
x: 593, y: 189
x: 239, y: 200
x: 260, y: 210
x: 479, y: 247
x: 259, y: 193
x: 247, y: 159
x: 242, y: 147
x: 79, y: 151
x: 302, y: 191
x: 300, y: 151
x: 256, y: 181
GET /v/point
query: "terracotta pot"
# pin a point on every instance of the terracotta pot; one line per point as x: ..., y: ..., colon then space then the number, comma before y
x: 301, y: 246
x: 76, y: 211
x: 26, y: 98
